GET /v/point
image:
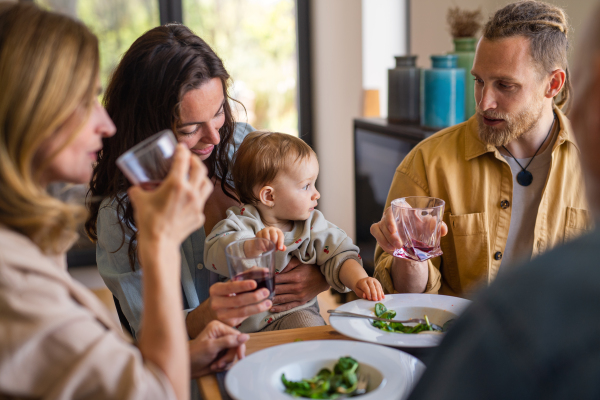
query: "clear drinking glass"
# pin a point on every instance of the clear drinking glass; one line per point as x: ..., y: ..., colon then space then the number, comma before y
x: 252, y: 258
x: 419, y: 222
x: 148, y: 162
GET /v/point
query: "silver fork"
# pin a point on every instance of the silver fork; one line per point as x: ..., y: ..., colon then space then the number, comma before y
x: 361, y: 386
x: 353, y: 315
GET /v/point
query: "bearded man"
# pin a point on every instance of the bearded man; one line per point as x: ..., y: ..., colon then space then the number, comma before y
x: 510, y: 176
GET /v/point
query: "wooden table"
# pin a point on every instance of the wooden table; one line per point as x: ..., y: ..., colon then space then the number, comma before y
x: 208, y: 384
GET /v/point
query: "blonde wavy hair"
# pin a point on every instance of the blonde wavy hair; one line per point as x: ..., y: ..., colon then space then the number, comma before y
x: 546, y: 27
x: 48, y: 71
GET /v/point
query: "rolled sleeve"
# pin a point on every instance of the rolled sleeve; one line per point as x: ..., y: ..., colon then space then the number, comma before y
x: 403, y: 186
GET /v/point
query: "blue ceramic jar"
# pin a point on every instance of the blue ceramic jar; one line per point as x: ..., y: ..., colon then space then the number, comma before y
x: 443, y: 93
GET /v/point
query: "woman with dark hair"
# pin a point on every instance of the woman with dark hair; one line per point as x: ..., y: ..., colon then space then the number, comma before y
x: 171, y: 78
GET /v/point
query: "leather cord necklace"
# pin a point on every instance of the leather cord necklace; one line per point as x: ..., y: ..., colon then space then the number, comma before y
x: 524, y: 178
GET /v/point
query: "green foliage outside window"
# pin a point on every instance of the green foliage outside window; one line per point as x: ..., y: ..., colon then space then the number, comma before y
x: 255, y: 38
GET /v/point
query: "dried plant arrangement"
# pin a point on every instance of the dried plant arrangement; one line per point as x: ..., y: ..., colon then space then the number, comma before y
x: 464, y: 23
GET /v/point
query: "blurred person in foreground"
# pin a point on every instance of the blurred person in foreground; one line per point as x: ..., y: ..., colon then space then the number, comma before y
x: 535, y: 333
x: 57, y: 340
x: 510, y: 176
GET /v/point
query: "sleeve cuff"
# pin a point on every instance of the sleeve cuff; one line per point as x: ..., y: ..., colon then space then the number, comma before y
x: 384, y: 276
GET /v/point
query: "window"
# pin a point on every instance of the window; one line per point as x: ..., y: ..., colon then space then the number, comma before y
x: 117, y: 23
x: 256, y: 39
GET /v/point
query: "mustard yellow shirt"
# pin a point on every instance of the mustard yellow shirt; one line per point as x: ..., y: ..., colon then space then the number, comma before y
x: 473, y: 179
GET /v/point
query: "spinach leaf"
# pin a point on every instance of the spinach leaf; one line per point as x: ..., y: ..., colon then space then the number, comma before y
x: 326, y: 384
x: 389, y: 314
x: 380, y: 309
x: 382, y: 312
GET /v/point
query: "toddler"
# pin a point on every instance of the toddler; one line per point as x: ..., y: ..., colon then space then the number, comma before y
x: 274, y: 175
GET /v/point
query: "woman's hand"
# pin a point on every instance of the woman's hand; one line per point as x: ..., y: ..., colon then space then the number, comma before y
x: 164, y: 218
x: 233, y: 302
x: 273, y: 234
x: 175, y: 209
x: 297, y: 284
x: 215, y: 348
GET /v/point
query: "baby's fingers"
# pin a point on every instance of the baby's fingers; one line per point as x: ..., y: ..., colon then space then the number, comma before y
x: 279, y: 243
x: 364, y: 285
x: 374, y: 287
x: 360, y: 293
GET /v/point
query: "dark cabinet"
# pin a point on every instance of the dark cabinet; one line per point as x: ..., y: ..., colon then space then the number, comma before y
x: 379, y: 147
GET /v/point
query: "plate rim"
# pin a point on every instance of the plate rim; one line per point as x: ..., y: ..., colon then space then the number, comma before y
x: 328, y: 342
x: 465, y: 304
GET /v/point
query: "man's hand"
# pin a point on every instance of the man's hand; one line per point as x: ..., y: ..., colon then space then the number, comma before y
x: 297, y: 284
x: 407, y: 276
x: 273, y: 234
x: 386, y: 232
x: 216, y: 348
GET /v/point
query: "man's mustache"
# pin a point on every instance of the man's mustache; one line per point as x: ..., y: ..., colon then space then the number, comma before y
x: 492, y: 115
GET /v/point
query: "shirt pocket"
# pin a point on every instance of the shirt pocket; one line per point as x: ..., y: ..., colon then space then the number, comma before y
x: 578, y: 222
x: 468, y: 251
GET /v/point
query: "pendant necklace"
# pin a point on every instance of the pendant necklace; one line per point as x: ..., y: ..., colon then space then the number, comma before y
x: 524, y: 178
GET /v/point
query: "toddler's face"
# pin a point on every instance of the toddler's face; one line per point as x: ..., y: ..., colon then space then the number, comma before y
x: 294, y: 190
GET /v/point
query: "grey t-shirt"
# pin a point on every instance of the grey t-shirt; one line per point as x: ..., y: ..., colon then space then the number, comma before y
x: 524, y: 206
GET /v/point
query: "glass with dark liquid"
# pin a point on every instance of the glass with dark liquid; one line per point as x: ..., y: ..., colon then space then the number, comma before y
x: 148, y: 162
x: 252, y: 258
x: 419, y: 223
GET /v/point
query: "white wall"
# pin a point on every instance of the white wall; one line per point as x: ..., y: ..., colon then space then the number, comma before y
x: 337, y: 86
x: 383, y: 37
x: 429, y: 29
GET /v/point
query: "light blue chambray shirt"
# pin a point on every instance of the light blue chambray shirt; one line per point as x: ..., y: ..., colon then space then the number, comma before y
x: 126, y: 285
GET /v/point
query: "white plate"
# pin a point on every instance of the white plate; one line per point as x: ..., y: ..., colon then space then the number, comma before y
x: 438, y: 309
x: 258, y: 376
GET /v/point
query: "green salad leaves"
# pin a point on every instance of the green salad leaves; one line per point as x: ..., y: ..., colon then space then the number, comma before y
x: 382, y: 312
x: 326, y: 384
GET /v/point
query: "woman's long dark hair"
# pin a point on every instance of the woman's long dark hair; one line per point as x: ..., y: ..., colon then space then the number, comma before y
x: 142, y: 98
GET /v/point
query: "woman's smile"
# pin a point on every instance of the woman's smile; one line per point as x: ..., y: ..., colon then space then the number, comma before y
x: 203, y: 152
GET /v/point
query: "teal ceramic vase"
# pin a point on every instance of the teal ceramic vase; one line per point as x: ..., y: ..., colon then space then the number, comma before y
x: 464, y: 48
x: 443, y: 100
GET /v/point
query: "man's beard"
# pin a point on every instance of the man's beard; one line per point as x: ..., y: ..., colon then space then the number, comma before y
x: 516, y: 126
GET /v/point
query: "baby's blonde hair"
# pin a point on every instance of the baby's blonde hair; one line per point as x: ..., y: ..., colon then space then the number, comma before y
x: 260, y: 157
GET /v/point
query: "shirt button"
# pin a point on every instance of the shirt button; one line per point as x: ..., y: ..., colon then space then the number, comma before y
x: 199, y: 266
x: 498, y: 256
x: 504, y: 204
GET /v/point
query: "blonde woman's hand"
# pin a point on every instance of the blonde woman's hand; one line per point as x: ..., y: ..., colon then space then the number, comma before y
x: 176, y: 208
x: 215, y: 348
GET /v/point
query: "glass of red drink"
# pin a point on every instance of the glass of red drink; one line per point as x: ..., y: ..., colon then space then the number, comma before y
x: 148, y: 162
x: 252, y: 258
x: 419, y: 223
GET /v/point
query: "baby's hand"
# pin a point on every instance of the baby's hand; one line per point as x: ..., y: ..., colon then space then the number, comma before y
x: 370, y: 289
x: 273, y: 234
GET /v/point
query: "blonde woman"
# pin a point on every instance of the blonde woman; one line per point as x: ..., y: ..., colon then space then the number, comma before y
x: 56, y: 339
